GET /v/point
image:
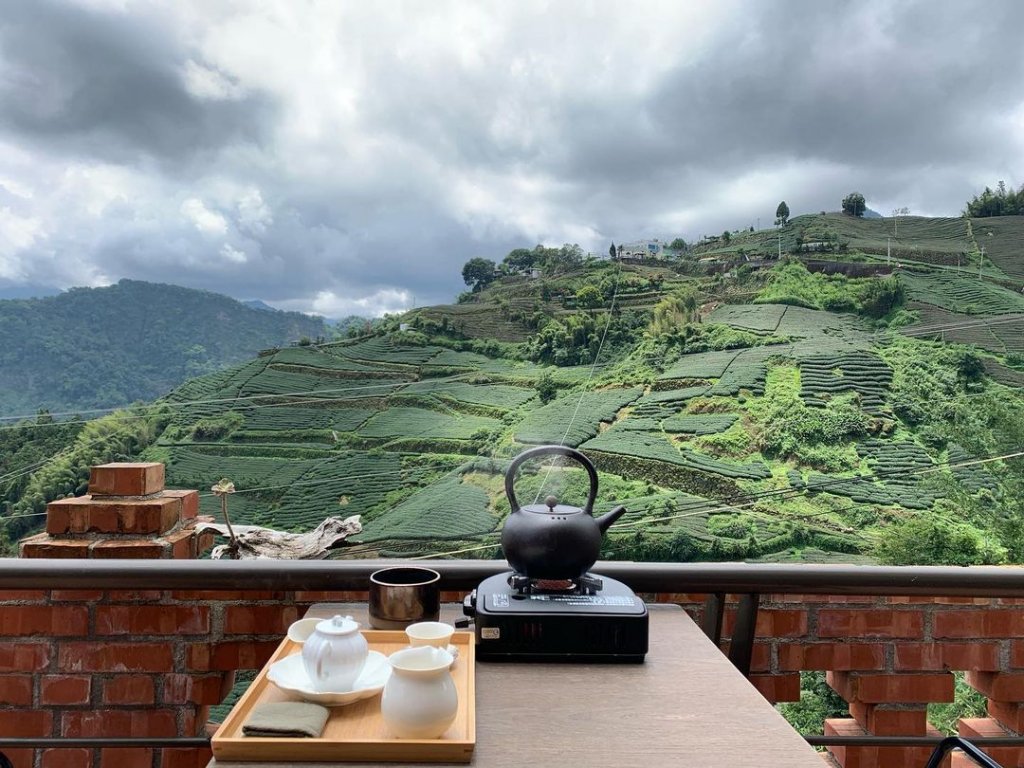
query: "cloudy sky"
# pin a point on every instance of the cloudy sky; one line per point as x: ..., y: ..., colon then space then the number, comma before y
x: 349, y: 157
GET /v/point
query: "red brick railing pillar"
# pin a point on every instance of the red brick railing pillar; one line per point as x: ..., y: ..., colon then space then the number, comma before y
x: 90, y: 663
x: 126, y: 514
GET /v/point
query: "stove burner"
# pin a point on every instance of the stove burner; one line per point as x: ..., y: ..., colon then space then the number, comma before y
x: 584, y: 585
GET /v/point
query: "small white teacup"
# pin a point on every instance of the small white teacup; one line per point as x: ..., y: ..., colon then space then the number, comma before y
x: 432, y: 633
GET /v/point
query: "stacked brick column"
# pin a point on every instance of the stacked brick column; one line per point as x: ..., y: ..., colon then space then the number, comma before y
x: 91, y: 663
x: 126, y: 514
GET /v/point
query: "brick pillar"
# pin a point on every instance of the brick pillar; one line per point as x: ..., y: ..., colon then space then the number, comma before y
x: 127, y: 514
x: 95, y: 663
x: 885, y: 704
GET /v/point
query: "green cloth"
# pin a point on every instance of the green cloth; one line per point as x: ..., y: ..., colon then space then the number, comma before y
x: 287, y: 718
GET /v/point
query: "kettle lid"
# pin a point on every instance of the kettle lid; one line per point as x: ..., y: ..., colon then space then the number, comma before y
x: 338, y: 625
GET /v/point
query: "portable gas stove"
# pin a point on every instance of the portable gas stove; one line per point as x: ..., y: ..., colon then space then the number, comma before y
x: 588, y: 619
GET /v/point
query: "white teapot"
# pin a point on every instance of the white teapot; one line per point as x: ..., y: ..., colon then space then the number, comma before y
x: 335, y: 654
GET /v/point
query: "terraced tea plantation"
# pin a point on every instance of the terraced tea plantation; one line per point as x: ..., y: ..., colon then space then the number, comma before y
x: 795, y: 440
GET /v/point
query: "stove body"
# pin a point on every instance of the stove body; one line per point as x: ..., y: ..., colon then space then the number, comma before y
x: 591, y: 619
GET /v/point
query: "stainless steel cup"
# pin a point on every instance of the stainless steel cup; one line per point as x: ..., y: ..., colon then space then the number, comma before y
x: 404, y: 595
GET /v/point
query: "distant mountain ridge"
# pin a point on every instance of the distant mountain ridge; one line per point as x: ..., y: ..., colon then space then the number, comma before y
x: 102, y: 347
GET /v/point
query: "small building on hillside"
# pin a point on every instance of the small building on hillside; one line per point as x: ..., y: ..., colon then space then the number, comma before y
x: 643, y: 249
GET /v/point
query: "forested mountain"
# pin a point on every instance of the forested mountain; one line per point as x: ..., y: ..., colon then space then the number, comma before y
x: 860, y: 399
x: 99, y: 347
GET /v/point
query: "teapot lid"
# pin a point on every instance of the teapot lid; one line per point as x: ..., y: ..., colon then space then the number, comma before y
x: 338, y: 625
x: 552, y: 507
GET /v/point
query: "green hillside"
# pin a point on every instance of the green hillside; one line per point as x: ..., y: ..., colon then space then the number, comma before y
x: 99, y: 347
x: 739, y: 407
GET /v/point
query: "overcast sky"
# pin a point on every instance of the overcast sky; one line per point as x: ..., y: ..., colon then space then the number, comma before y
x: 349, y: 157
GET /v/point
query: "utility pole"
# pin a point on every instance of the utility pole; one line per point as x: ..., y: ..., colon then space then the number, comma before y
x: 888, y: 251
x: 780, y: 244
x: 981, y: 260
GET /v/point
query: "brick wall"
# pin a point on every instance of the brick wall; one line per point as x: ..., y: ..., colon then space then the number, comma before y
x: 151, y: 663
x: 888, y: 658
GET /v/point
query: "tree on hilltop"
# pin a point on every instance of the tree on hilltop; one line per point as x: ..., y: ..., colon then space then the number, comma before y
x: 612, y: 251
x: 854, y: 204
x: 782, y: 214
x: 478, y: 273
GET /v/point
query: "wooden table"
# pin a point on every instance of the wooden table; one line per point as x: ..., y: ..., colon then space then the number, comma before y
x: 685, y: 707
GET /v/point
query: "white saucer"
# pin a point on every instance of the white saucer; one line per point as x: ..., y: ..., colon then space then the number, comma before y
x: 289, y: 675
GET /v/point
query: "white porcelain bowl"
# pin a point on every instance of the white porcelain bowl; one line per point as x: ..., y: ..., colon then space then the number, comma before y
x: 289, y: 675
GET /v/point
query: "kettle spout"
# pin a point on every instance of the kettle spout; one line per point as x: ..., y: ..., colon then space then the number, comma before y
x: 605, y: 521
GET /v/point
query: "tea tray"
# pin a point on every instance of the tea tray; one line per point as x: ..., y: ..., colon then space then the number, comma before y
x: 355, y: 732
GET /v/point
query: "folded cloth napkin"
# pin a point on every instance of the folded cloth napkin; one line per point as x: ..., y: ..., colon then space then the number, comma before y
x: 286, y: 718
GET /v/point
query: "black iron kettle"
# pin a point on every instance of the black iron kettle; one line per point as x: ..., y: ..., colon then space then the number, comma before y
x: 552, y: 540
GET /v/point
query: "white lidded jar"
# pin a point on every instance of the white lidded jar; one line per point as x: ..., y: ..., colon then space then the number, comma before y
x: 335, y: 654
x: 420, y: 700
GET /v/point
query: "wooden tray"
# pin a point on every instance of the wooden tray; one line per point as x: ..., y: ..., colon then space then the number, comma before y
x: 356, y: 731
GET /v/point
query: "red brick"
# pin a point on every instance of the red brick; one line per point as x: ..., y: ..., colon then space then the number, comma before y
x: 129, y: 689
x: 760, y: 658
x: 903, y: 688
x: 189, y: 502
x: 197, y: 689
x: 883, y: 720
x: 43, y: 546
x: 824, y: 656
x: 772, y: 623
x: 228, y: 656
x: 152, y: 620
x: 119, y: 722
x: 64, y: 690
x: 958, y: 657
x: 88, y: 514
x: 21, y: 758
x: 870, y: 623
x: 131, y: 757
x: 1001, y: 686
x: 258, y: 619
x: 777, y: 688
x: 128, y: 549
x: 183, y: 544
x: 115, y: 657
x: 16, y: 690
x: 53, y: 621
x: 66, y: 758
x: 186, y: 758
x: 978, y: 623
x: 873, y: 757
x: 24, y: 657
x: 126, y: 479
x: 1017, y: 654
x: 1009, y: 714
x: 982, y: 727
x: 20, y: 723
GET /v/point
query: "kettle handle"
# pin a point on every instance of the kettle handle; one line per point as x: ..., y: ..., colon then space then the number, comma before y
x: 545, y: 450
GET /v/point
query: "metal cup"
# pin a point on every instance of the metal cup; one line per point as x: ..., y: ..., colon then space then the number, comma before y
x: 404, y: 595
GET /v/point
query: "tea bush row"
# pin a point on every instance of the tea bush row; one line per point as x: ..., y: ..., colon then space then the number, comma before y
x: 573, y: 418
x: 422, y: 423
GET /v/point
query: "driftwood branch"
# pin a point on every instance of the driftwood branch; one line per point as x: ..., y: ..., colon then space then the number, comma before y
x: 254, y: 541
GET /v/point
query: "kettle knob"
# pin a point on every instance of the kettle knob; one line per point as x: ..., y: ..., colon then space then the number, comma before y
x: 551, y: 502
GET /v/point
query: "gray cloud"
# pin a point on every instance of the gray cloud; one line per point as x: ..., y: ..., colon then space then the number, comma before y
x: 354, y: 155
x: 111, y: 86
